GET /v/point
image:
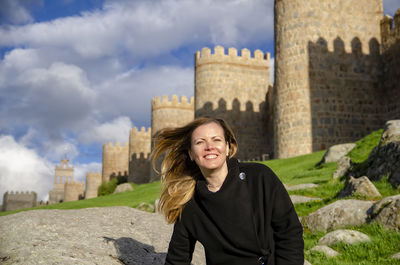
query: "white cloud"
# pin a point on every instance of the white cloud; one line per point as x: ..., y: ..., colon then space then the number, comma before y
x: 21, y: 169
x: 16, y: 11
x: 80, y: 170
x: 116, y: 130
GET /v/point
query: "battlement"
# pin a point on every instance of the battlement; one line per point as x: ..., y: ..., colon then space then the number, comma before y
x: 135, y: 132
x: 64, y: 165
x: 20, y: 193
x: 140, y: 156
x: 219, y: 56
x: 390, y: 29
x: 93, y: 175
x: 164, y: 102
x: 110, y: 147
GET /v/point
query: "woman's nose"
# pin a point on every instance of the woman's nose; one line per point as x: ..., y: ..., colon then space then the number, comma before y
x: 209, y: 145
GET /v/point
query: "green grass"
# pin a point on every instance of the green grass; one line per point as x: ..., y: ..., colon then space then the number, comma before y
x: 364, y: 147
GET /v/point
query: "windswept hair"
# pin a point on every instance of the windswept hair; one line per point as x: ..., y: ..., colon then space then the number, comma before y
x: 178, y: 172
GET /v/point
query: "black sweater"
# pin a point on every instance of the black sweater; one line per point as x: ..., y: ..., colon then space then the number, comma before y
x: 251, y: 218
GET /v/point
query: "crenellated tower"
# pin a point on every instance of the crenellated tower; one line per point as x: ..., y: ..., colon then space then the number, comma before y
x: 93, y: 182
x: 390, y: 30
x: 234, y: 87
x: 327, y: 73
x: 63, y: 173
x: 115, y: 160
x: 139, y: 151
x: 170, y: 114
x: 73, y: 190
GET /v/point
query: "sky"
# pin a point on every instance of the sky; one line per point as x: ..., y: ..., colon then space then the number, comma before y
x: 75, y: 74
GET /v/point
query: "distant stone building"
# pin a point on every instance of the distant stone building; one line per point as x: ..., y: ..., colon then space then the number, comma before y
x: 65, y: 188
x: 18, y: 200
x: 93, y: 182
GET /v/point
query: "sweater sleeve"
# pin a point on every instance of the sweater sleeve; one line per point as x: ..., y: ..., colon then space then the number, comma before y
x: 181, y: 246
x: 288, y: 231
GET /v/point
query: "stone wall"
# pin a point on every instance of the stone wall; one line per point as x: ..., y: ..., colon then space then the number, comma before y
x: 390, y: 29
x: 18, y: 200
x: 139, y: 151
x: 115, y: 161
x: 73, y: 191
x: 235, y: 88
x: 93, y: 182
x: 298, y: 25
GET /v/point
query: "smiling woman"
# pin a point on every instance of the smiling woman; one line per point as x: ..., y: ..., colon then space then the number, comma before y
x: 239, y: 212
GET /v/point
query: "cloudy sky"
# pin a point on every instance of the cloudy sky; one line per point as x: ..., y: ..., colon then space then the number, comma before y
x: 75, y: 74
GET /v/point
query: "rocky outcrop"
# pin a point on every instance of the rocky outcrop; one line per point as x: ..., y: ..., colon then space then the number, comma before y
x: 360, y: 186
x: 109, y: 235
x: 123, y: 188
x: 338, y: 214
x: 346, y: 236
x: 387, y: 212
x: 343, y: 166
x: 301, y: 186
x: 302, y: 199
x: 384, y: 160
x: 336, y: 152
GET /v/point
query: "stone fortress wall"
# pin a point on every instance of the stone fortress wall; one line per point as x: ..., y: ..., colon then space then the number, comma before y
x: 115, y: 161
x: 390, y: 47
x: 326, y: 73
x: 337, y: 76
x: 74, y: 190
x: 18, y: 200
x: 93, y: 181
x: 139, y: 152
x: 235, y: 88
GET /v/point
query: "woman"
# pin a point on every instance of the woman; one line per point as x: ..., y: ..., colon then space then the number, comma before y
x: 240, y: 212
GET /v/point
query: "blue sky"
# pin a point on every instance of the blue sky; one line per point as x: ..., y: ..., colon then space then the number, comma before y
x: 75, y: 74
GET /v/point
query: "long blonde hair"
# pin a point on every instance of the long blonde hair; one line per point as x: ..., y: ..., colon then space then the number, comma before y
x: 178, y: 172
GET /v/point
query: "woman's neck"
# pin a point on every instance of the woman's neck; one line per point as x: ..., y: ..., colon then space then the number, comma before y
x: 215, y: 178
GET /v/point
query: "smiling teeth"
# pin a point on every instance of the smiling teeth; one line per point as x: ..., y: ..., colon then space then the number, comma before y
x: 210, y: 156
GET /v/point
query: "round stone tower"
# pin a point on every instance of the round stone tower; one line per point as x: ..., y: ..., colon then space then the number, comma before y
x: 93, y: 182
x: 326, y: 73
x: 234, y: 87
x: 139, y: 150
x: 115, y: 161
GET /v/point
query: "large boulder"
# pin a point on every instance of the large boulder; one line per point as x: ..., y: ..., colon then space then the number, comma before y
x: 301, y: 186
x: 360, y: 186
x: 329, y: 252
x: 335, y: 152
x: 123, y: 188
x: 302, y: 199
x: 346, y: 236
x: 108, y: 235
x: 338, y: 214
x: 387, y: 212
x: 385, y: 158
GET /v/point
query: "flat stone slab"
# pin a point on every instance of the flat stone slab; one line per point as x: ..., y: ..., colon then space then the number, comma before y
x: 396, y: 256
x: 301, y: 186
x: 302, y: 199
x: 108, y: 235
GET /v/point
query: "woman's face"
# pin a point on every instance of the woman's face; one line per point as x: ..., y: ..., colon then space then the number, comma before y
x: 209, y: 147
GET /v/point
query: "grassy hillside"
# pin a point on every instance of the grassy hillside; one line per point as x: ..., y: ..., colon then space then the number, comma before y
x: 293, y: 171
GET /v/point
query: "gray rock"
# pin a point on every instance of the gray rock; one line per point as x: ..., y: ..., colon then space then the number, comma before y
x: 388, y: 213
x: 306, y: 262
x: 109, y: 235
x: 147, y: 207
x: 360, y: 186
x: 335, y: 152
x: 338, y: 214
x: 343, y: 166
x: 344, y: 235
x: 329, y: 252
x: 380, y: 205
x: 123, y: 188
x: 302, y: 199
x: 396, y: 256
x: 391, y: 132
x: 301, y: 186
